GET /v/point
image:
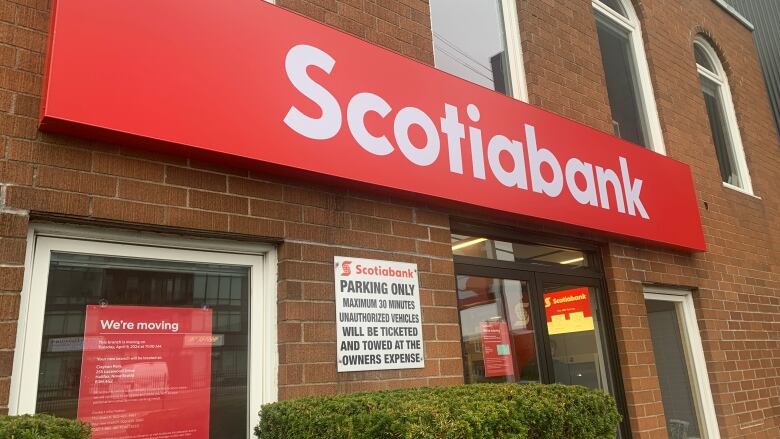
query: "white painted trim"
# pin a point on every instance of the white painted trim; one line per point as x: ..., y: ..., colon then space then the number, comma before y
x: 740, y: 190
x: 709, y: 75
x: 727, y: 104
x: 16, y: 389
x: 649, y: 110
x: 43, y: 239
x: 618, y: 18
x: 268, y: 335
x: 92, y: 233
x: 433, y: 37
x: 700, y: 381
x: 514, y: 50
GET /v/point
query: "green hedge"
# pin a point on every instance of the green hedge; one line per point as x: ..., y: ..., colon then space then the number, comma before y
x: 461, y: 412
x: 42, y: 427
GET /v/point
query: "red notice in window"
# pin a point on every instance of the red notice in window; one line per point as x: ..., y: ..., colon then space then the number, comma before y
x: 496, y: 349
x: 146, y: 372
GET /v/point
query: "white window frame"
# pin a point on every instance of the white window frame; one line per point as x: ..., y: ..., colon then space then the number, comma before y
x: 695, y: 360
x: 721, y: 81
x: 647, y: 105
x: 43, y: 239
x: 514, y: 50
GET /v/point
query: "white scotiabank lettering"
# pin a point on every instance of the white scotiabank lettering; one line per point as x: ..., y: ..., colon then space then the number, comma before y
x: 583, y: 196
x: 632, y: 191
x: 475, y: 138
x: 625, y: 191
x: 329, y: 124
x: 515, y: 177
x: 604, y: 176
x: 537, y: 157
x: 359, y: 105
x: 455, y: 132
x: 403, y: 121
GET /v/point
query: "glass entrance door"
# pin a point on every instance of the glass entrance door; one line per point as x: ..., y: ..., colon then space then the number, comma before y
x: 497, y: 329
x: 501, y: 325
x: 574, y: 335
x: 534, y: 312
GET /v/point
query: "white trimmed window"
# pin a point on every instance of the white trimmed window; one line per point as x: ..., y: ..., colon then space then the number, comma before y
x: 630, y: 91
x: 74, y: 271
x: 722, y: 118
x: 680, y: 364
x: 480, y: 41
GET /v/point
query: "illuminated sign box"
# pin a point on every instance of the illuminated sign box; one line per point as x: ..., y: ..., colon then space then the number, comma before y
x: 256, y: 85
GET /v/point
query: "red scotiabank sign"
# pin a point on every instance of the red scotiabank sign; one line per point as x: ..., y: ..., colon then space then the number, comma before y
x: 267, y: 87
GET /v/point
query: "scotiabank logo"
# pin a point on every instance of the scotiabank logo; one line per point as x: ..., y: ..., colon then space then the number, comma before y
x: 591, y: 185
x: 374, y: 270
x: 345, y: 270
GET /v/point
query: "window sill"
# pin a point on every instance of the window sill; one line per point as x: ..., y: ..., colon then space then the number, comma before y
x: 740, y: 190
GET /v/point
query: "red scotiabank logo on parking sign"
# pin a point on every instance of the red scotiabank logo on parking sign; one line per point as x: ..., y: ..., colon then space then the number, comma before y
x: 345, y: 271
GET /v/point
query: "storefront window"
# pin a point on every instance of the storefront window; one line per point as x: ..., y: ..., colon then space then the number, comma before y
x: 144, y: 335
x: 78, y: 281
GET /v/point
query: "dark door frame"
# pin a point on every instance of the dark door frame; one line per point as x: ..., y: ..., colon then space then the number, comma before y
x: 536, y: 275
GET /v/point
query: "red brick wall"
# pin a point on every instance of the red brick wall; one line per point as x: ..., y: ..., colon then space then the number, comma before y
x: 401, y: 25
x: 737, y: 281
x: 562, y: 60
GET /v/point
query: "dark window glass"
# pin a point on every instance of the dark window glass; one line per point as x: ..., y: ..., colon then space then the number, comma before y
x: 622, y: 86
x: 720, y: 136
x: 496, y: 329
x: 673, y: 374
x: 702, y: 59
x: 76, y: 281
x: 469, y: 41
x: 615, y: 6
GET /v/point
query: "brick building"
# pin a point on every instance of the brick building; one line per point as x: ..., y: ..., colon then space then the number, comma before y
x: 687, y: 341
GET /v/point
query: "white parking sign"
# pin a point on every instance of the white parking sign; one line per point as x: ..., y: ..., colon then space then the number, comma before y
x: 378, y: 318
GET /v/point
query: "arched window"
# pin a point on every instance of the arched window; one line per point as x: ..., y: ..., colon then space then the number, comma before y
x: 630, y: 91
x: 723, y: 120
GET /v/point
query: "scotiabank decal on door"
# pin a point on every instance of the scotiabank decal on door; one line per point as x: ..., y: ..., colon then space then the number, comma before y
x: 275, y: 91
x: 568, y: 311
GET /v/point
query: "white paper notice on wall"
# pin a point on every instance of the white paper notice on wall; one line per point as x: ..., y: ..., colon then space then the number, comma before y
x: 378, y: 317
